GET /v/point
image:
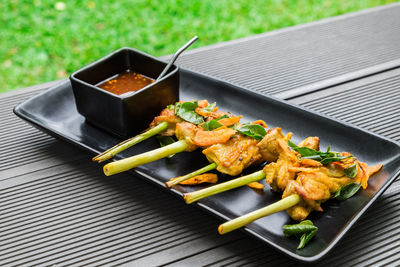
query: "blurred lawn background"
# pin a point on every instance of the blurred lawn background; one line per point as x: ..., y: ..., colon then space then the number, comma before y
x: 43, y: 40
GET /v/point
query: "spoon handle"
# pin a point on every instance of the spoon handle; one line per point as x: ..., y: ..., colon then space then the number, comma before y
x: 175, y: 56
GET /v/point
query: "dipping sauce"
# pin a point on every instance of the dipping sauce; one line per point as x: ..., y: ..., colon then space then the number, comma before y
x: 124, y: 82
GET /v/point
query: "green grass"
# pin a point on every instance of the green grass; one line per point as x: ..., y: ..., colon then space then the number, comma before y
x: 40, y: 43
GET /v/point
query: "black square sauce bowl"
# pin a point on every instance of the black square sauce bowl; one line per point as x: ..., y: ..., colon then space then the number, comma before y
x: 127, y: 114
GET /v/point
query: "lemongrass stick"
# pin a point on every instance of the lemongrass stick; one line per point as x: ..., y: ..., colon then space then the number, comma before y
x: 241, y: 221
x: 109, y: 153
x: 132, y: 162
x: 222, y: 187
x: 177, y: 180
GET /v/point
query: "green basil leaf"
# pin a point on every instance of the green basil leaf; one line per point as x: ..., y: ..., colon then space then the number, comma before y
x: 306, y: 222
x: 170, y: 107
x: 304, y: 151
x: 314, y: 157
x: 333, y: 159
x: 186, y: 112
x: 305, y: 238
x: 304, y: 230
x: 295, y: 229
x: 211, y: 125
x: 253, y: 130
x: 165, y: 140
x: 177, y: 106
x: 323, y: 157
x: 332, y: 154
x: 233, y: 126
x: 351, y: 171
x: 210, y: 107
x: 347, y: 191
x: 223, y: 117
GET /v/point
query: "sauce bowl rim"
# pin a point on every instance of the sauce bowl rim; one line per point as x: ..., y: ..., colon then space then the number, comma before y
x: 92, y: 65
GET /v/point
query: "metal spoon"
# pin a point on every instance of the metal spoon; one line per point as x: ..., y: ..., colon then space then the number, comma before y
x: 176, y: 55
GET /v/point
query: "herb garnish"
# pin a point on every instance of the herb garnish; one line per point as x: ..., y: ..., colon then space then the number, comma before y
x: 323, y: 157
x: 166, y: 140
x: 253, y: 130
x: 213, y: 124
x: 186, y: 111
x: 210, y: 107
x: 305, y: 238
x: 304, y: 230
x: 351, y: 171
x: 347, y: 191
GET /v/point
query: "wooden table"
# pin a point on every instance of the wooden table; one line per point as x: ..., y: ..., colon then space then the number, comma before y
x: 57, y: 208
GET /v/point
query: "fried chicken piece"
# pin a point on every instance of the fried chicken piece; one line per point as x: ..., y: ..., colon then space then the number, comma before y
x: 277, y: 173
x: 300, y: 211
x: 211, y: 178
x: 230, y: 121
x: 167, y: 115
x: 269, y: 148
x: 363, y: 170
x: 256, y: 185
x: 310, y: 163
x: 187, y: 131
x: 210, y: 115
x: 367, y: 172
x: 317, y: 185
x: 203, y: 103
x: 217, y: 136
x: 235, y: 155
x: 310, y: 142
x: 314, y: 187
x: 196, y: 137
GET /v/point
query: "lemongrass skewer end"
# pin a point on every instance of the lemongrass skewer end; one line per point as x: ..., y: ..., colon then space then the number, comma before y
x: 219, y: 188
x: 111, y: 152
x: 150, y: 156
x: 241, y: 221
x: 177, y: 180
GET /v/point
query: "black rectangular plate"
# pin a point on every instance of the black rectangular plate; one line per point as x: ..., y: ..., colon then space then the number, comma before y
x: 54, y: 112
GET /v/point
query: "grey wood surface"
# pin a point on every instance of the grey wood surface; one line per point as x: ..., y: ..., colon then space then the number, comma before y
x: 58, y: 209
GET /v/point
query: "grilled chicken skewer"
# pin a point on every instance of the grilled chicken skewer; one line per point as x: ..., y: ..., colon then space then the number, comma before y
x: 306, y: 184
x: 298, y: 202
x: 190, y: 136
x: 300, y: 195
x: 268, y: 149
x: 163, y: 124
x: 244, y: 150
x: 231, y: 157
x: 306, y: 180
